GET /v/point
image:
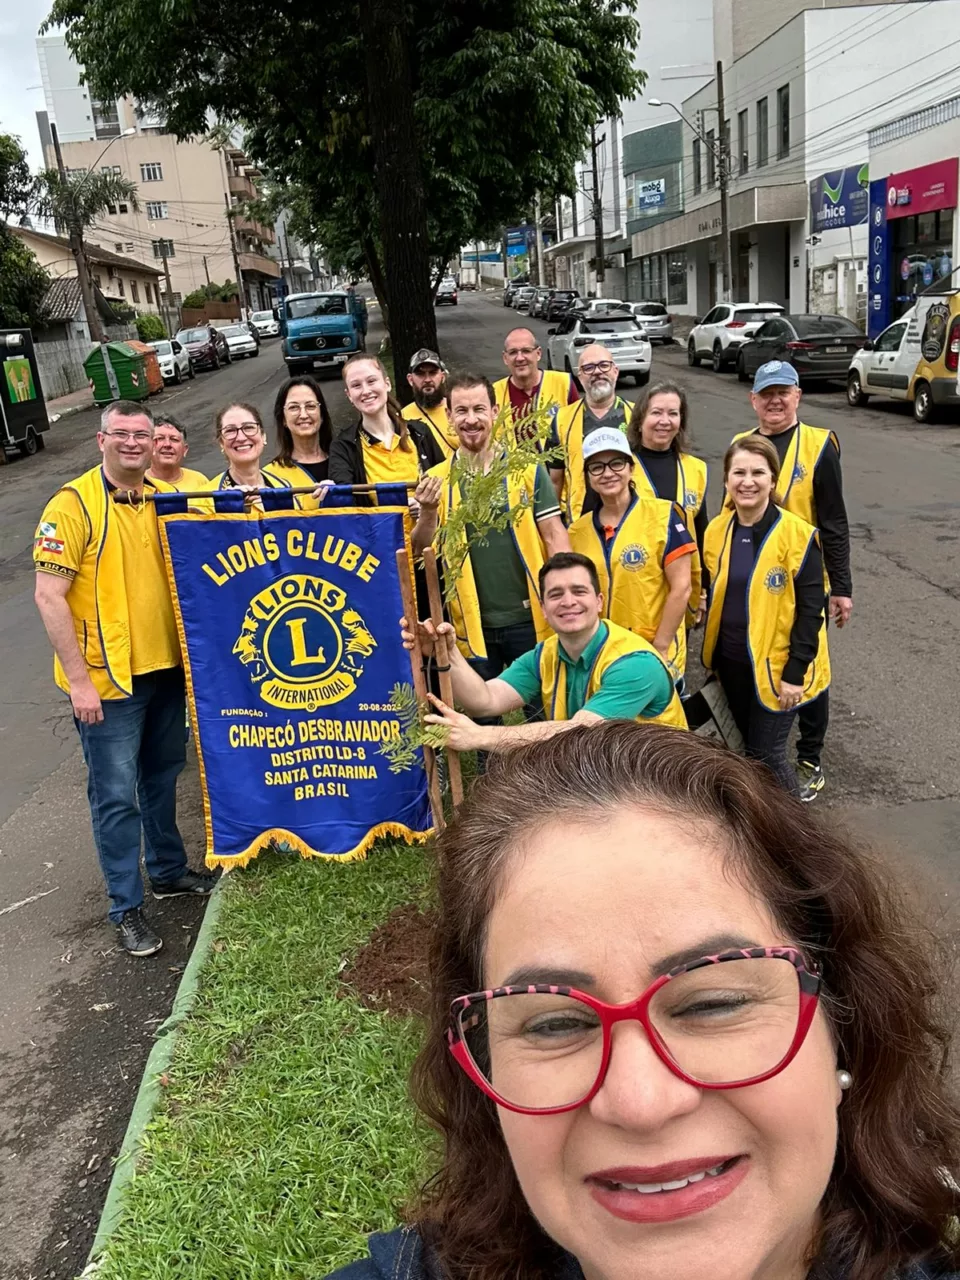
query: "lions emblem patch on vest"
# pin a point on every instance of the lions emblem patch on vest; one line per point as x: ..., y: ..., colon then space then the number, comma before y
x: 302, y: 645
x: 634, y: 556
x: 799, y: 472
x: 690, y: 499
x: 776, y: 580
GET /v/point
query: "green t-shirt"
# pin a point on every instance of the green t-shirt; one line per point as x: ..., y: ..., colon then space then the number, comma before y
x: 636, y: 684
x: 502, y: 585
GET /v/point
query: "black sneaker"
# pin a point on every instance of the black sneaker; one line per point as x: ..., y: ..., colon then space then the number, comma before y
x: 199, y: 883
x: 811, y: 780
x: 136, y: 936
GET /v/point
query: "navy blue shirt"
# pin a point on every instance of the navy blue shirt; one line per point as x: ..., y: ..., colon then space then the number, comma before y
x: 732, y: 640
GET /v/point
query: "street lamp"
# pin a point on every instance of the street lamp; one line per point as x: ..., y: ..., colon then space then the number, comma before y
x: 719, y: 150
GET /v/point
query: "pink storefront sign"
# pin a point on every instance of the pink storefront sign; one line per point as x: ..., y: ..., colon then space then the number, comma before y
x: 933, y: 186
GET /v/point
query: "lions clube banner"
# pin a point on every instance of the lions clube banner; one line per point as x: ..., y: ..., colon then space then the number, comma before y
x: 289, y: 628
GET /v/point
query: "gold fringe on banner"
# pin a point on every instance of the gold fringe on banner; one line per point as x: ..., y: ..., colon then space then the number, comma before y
x: 297, y: 845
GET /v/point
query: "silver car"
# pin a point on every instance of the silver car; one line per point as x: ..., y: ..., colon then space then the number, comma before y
x: 523, y: 297
x: 621, y: 332
x: 655, y: 319
x: 240, y: 341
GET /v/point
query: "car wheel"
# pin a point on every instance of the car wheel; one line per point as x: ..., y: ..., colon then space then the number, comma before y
x: 254, y: 354
x: 924, y: 409
x: 717, y: 360
x: 549, y: 361
x: 216, y: 360
x: 855, y: 396
x: 641, y: 379
x: 742, y: 368
x: 31, y: 443
x: 692, y: 357
x: 191, y: 371
x: 177, y: 375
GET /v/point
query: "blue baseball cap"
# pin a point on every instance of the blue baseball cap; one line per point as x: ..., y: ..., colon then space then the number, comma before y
x: 776, y: 373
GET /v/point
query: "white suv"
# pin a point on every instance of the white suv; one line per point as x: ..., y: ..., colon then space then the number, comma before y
x: 719, y: 336
x: 620, y: 331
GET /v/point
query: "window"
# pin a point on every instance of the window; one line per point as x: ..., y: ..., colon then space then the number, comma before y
x: 711, y: 159
x: 112, y: 210
x: 117, y: 170
x: 129, y: 246
x: 96, y: 281
x: 134, y: 291
x: 151, y: 173
x: 763, y: 133
x: 74, y: 173
x: 163, y: 247
x: 891, y: 338
x: 743, y: 146
x: 677, y: 278
x: 122, y: 208
x: 156, y: 209
x: 106, y: 119
x: 118, y: 248
x: 120, y: 286
x: 697, y: 175
x: 783, y: 122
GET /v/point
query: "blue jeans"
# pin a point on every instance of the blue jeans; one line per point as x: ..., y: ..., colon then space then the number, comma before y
x: 133, y: 760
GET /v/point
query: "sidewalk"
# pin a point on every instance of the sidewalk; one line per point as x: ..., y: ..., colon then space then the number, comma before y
x: 75, y: 402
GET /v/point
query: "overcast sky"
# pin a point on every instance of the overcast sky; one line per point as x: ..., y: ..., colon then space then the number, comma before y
x: 20, y: 71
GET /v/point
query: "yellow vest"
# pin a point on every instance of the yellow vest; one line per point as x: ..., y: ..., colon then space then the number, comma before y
x: 619, y: 642
x: 100, y: 614
x: 570, y: 432
x: 795, y: 484
x: 295, y: 477
x: 691, y: 491
x: 464, y: 604
x: 438, y: 422
x: 553, y: 391
x: 771, y: 603
x: 272, y: 480
x: 630, y: 569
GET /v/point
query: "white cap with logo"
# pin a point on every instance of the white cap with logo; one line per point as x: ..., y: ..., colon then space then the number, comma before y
x: 606, y: 440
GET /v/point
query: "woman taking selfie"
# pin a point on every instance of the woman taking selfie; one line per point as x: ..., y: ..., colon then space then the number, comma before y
x: 641, y: 549
x: 679, y: 1030
x: 765, y: 635
x: 658, y: 437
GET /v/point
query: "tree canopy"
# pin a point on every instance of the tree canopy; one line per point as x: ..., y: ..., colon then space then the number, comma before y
x: 23, y: 282
x: 77, y: 201
x: 407, y: 127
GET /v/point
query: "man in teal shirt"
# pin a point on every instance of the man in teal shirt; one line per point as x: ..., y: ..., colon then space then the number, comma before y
x: 637, y: 685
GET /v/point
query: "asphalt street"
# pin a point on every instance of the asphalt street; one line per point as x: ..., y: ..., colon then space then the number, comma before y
x: 77, y: 1017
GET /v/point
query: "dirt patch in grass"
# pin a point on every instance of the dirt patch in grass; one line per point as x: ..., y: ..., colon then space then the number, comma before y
x: 389, y: 972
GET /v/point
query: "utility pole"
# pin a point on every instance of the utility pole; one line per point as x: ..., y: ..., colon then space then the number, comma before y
x: 206, y: 269
x: 170, y: 304
x: 75, y: 232
x: 724, y: 174
x: 236, y: 256
x: 538, y: 232
x: 595, y: 143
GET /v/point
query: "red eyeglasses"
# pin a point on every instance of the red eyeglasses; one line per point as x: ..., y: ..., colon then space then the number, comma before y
x: 721, y: 1022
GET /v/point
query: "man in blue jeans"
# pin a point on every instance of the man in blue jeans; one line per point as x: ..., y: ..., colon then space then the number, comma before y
x: 102, y: 594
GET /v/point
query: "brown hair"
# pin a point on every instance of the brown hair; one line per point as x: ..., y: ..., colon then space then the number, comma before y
x: 762, y: 447
x: 890, y: 1200
x: 245, y: 405
x: 466, y: 381
x: 393, y: 404
x: 642, y: 407
x: 284, y: 434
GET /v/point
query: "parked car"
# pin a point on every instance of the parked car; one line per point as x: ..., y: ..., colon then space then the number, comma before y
x: 539, y: 303
x: 174, y: 360
x: 722, y: 331
x: 446, y: 292
x: 622, y: 333
x: 206, y: 346
x: 916, y: 359
x: 266, y: 324
x: 509, y: 289
x: 655, y: 319
x: 560, y: 302
x: 818, y: 347
x: 240, y: 341
x: 523, y: 297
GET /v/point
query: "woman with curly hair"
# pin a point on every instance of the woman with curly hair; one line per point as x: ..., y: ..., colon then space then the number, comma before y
x: 679, y: 1030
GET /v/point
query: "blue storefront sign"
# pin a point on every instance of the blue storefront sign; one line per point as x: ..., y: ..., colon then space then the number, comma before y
x: 839, y: 199
x: 878, y: 307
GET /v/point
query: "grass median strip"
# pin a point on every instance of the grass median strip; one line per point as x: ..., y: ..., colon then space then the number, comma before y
x: 284, y: 1135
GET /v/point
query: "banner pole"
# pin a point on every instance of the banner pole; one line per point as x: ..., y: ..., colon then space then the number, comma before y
x: 130, y: 498
x: 419, y: 683
x: 443, y: 646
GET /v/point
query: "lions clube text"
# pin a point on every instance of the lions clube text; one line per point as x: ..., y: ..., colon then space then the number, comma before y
x: 241, y: 556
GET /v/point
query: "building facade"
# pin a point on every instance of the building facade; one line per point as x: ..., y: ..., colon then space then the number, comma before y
x: 124, y: 282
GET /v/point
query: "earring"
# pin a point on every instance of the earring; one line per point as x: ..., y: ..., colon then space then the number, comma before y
x: 844, y: 1079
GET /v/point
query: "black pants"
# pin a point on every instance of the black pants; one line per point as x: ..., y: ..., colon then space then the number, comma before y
x: 765, y: 733
x: 504, y: 645
x: 813, y: 718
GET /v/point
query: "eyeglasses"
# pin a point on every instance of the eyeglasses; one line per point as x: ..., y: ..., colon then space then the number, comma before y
x: 138, y: 437
x: 721, y: 1022
x: 598, y: 366
x: 520, y: 351
x: 310, y: 406
x: 248, y: 429
x: 616, y: 465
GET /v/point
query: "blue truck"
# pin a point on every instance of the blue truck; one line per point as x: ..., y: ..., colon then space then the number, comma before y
x: 321, y: 330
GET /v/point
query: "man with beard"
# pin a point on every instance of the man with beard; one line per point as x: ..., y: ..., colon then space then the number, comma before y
x: 427, y: 378
x: 495, y: 607
x: 600, y: 408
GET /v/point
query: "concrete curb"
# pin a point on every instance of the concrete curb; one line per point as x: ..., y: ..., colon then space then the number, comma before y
x: 148, y: 1095
x: 69, y: 411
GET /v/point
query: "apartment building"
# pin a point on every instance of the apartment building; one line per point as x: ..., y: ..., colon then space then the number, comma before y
x: 189, y: 193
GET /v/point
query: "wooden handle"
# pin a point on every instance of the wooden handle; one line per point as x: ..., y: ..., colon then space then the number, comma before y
x: 419, y: 684
x: 442, y: 649
x: 128, y: 497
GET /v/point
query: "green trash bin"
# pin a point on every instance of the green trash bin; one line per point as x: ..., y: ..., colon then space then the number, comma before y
x: 128, y: 368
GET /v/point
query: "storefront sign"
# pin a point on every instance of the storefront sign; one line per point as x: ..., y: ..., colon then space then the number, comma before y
x: 934, y: 186
x: 878, y: 311
x: 645, y: 196
x: 840, y: 199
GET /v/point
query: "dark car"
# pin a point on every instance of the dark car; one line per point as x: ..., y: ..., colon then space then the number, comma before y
x: 560, y: 303
x: 207, y: 346
x: 446, y: 292
x: 818, y: 347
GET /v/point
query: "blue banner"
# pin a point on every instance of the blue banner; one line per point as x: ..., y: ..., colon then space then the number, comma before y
x: 289, y: 628
x: 839, y: 199
x: 878, y: 294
